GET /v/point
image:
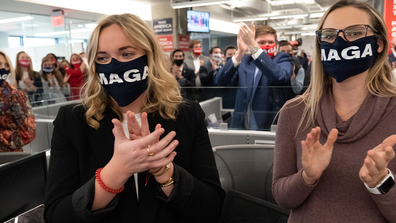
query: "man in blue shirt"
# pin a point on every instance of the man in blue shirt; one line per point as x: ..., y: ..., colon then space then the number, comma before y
x: 259, y: 76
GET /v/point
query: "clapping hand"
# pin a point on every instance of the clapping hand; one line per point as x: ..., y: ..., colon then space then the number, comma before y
x: 145, y: 151
x: 375, y: 164
x: 247, y: 35
x: 315, y: 156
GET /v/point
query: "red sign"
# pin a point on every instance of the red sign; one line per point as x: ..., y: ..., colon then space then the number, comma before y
x: 184, y: 42
x: 57, y: 20
x: 166, y: 42
x: 390, y: 18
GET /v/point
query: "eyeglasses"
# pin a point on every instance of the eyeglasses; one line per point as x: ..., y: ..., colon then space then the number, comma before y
x: 351, y: 33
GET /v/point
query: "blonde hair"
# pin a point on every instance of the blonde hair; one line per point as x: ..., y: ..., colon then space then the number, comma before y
x: 12, y: 71
x: 162, y: 94
x: 379, y: 80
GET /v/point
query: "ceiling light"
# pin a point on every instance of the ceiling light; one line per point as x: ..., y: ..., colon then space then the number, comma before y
x: 249, y: 19
x: 19, y: 19
x: 143, y: 10
x: 63, y: 32
x: 91, y: 25
x: 200, y: 3
x: 308, y: 34
x: 316, y: 15
x: 299, y: 16
x: 222, y: 26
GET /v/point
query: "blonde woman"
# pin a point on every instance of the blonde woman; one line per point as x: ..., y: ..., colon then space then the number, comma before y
x: 334, y: 160
x: 113, y: 158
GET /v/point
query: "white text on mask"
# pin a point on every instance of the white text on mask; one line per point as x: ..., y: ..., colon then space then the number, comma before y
x: 333, y: 54
x: 114, y: 78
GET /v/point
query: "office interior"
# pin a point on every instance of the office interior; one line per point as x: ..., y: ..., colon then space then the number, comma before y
x: 63, y: 28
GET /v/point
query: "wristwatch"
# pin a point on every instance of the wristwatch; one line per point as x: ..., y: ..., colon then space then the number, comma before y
x: 384, y: 186
x: 254, y: 50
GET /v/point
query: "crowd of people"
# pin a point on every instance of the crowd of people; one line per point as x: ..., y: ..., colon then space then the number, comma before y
x: 257, y: 78
x: 134, y: 150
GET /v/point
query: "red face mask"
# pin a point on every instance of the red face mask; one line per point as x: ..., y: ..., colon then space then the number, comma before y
x: 269, y: 49
x: 197, y: 51
x: 53, y: 61
x: 76, y: 63
x: 65, y: 67
x: 24, y: 62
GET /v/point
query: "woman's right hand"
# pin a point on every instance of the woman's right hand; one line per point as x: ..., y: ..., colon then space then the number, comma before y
x: 132, y: 156
x: 315, y: 156
x: 66, y: 78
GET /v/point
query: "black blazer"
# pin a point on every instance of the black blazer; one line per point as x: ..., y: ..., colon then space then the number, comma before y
x: 77, y: 150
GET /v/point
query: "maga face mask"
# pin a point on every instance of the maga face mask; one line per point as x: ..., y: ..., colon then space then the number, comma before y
x: 24, y: 62
x: 3, y: 75
x: 269, y: 49
x: 124, y: 81
x: 197, y: 51
x: 342, y: 59
x: 48, y: 69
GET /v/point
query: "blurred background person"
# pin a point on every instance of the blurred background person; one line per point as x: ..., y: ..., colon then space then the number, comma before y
x: 54, y: 60
x: 53, y: 85
x: 184, y: 75
x: 64, y: 66
x: 27, y: 79
x: 256, y: 74
x: 76, y: 76
x: 229, y: 52
x: 17, y: 123
x: 297, y: 79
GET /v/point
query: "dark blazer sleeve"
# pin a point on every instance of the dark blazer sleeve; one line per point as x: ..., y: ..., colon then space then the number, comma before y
x: 65, y: 199
x: 227, y: 75
x: 189, y: 77
x: 197, y: 195
x: 278, y: 70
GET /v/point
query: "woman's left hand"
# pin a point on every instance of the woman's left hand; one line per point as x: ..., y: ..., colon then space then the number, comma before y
x: 375, y: 164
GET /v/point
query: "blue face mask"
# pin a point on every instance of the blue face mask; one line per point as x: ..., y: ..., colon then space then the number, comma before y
x: 48, y: 69
x: 3, y: 75
x: 342, y: 59
x: 124, y: 81
x: 228, y: 58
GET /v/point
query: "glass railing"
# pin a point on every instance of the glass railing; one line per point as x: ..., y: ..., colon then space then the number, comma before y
x: 224, y: 107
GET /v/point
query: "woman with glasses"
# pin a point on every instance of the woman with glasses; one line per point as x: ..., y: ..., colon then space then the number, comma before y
x: 133, y: 151
x: 334, y: 157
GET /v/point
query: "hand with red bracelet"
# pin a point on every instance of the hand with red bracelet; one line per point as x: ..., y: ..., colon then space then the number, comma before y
x: 132, y: 156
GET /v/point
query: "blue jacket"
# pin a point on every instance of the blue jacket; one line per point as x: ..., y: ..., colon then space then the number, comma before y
x: 265, y: 101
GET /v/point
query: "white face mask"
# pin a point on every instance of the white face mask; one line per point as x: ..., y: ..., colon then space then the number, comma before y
x: 217, y: 57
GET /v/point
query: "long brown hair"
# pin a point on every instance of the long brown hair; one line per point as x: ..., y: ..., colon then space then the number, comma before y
x: 163, y: 94
x: 18, y: 68
x: 56, y: 73
x: 379, y: 82
x: 71, y: 64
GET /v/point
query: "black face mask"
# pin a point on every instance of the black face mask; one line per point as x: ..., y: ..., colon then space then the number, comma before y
x: 178, y: 62
x: 394, y: 47
x: 3, y: 75
x: 291, y: 55
x: 342, y: 59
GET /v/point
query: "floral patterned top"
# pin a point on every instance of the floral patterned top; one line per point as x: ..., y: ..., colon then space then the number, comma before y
x: 17, y: 123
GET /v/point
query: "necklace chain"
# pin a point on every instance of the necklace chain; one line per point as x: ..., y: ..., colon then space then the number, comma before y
x: 351, y: 111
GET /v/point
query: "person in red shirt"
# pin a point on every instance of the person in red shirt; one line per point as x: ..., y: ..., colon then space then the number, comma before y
x: 76, y: 75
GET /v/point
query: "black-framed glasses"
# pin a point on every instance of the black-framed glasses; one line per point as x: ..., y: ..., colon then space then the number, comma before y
x: 351, y: 33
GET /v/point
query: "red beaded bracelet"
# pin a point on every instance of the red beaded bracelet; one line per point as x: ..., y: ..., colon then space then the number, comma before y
x: 106, y: 188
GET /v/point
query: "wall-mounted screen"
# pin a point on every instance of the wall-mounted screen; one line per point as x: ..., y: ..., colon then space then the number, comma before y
x: 198, y: 21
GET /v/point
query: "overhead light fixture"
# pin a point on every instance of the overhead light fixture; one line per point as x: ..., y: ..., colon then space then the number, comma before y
x: 63, y: 32
x: 19, y: 19
x: 91, y: 25
x: 143, y: 10
x: 299, y: 16
x: 249, y: 19
x: 316, y: 15
x: 308, y: 34
x: 222, y: 26
x: 290, y: 2
x: 200, y: 3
